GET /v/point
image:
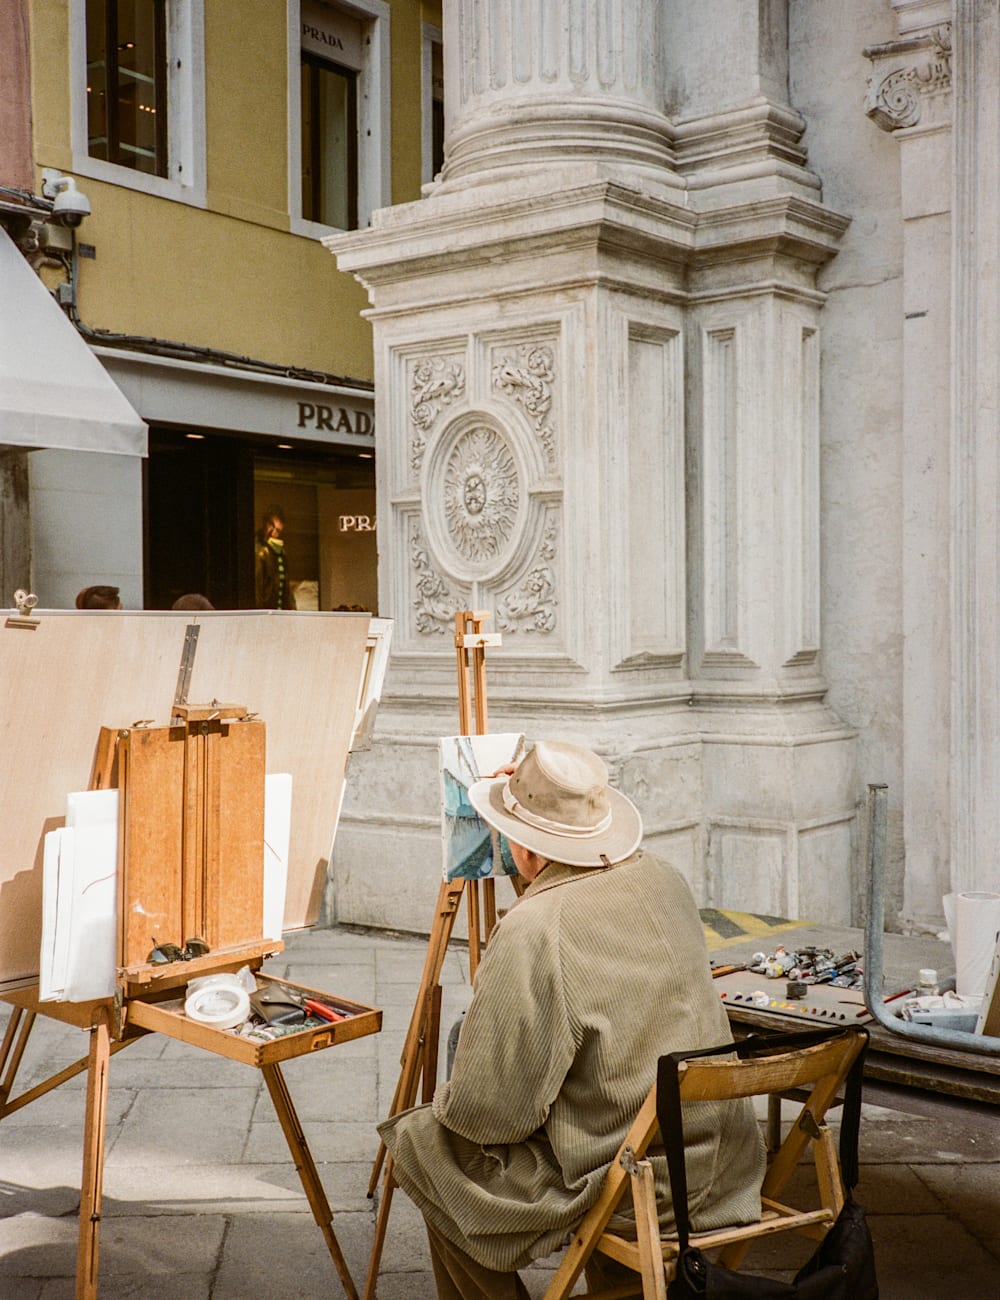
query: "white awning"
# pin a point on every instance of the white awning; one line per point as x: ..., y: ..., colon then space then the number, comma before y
x: 53, y: 390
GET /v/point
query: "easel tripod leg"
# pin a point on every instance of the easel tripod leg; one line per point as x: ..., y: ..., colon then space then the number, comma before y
x: 93, y: 1159
x: 381, y: 1225
x: 306, y: 1168
x: 12, y: 1051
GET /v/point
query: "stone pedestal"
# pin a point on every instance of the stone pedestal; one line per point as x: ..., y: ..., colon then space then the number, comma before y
x: 597, y: 378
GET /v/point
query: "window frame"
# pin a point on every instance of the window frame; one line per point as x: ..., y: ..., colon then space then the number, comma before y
x: 185, y: 118
x: 112, y: 79
x: 429, y: 37
x: 351, y: 78
x: 374, y: 106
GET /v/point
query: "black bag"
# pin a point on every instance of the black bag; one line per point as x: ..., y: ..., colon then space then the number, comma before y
x: 843, y: 1265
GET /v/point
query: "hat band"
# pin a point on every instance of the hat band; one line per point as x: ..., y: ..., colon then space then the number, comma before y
x: 518, y: 810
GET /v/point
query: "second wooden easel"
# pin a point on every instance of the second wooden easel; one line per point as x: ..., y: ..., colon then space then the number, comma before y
x: 191, y: 851
x: 420, y: 1050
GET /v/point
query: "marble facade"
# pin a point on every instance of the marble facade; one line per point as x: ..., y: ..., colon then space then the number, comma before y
x: 629, y: 403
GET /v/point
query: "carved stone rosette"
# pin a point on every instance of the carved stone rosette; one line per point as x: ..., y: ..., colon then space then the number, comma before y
x: 481, y: 493
x: 526, y: 375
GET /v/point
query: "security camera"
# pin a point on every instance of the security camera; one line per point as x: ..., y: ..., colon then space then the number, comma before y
x: 70, y: 206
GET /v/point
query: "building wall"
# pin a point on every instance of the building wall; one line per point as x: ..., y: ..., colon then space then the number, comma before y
x: 861, y: 392
x: 222, y: 264
x: 899, y: 146
x: 86, y: 522
x: 273, y: 295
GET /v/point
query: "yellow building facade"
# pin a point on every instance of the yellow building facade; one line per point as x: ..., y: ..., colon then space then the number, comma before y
x: 215, y: 144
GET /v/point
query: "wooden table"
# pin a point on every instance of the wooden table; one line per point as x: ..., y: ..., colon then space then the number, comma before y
x: 899, y: 1072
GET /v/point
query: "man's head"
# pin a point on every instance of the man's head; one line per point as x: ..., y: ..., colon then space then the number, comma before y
x: 98, y: 598
x: 558, y: 805
x: 193, y: 600
x: 274, y: 523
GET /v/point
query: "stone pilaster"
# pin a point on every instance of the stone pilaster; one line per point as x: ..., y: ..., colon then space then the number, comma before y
x: 975, y: 456
x: 931, y: 99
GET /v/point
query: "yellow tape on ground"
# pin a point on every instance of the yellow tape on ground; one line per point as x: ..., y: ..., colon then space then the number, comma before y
x: 724, y: 928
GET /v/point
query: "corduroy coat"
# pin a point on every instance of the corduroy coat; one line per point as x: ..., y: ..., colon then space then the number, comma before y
x: 589, y: 978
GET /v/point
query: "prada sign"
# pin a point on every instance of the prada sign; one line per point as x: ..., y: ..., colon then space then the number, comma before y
x: 333, y: 419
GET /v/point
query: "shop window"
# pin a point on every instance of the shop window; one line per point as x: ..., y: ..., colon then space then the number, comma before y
x: 321, y: 512
x: 214, y: 501
x: 338, y: 88
x: 432, y: 95
x: 137, y: 86
x: 127, y: 83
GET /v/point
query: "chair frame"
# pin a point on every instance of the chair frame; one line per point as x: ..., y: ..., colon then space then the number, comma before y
x: 821, y: 1069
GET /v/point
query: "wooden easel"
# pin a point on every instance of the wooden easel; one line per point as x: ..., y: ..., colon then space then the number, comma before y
x: 190, y: 843
x: 420, y: 1050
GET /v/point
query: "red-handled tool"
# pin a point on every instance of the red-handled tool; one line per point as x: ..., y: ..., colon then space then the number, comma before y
x: 320, y: 1009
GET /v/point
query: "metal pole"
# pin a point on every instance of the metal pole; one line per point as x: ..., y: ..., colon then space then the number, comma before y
x: 874, y: 1000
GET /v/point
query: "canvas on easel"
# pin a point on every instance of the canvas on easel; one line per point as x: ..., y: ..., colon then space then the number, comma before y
x: 471, y: 851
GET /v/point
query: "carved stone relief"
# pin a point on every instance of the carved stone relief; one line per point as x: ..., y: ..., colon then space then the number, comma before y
x: 531, y: 605
x: 435, y: 383
x: 526, y: 375
x: 481, y: 494
x: 896, y: 100
x: 434, y: 601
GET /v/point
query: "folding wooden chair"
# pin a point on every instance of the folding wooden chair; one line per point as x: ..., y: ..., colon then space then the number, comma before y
x: 818, y: 1069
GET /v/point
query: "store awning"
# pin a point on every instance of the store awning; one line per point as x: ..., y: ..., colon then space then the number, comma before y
x: 53, y: 390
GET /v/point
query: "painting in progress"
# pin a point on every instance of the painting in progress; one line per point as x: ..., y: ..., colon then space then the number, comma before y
x: 471, y: 850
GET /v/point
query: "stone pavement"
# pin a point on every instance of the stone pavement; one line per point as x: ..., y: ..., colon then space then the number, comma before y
x: 202, y: 1200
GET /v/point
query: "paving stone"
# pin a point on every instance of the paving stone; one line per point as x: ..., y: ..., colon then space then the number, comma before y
x: 969, y: 1193
x: 34, y: 1246
x: 21, y: 1288
x: 286, y: 1255
x: 340, y: 1140
x: 65, y: 1108
x: 23, y: 1192
x: 941, y: 1140
x: 181, y: 1126
x: 136, y: 1286
x: 406, y: 1246
x: 931, y: 1257
x: 324, y: 1089
x: 219, y: 1188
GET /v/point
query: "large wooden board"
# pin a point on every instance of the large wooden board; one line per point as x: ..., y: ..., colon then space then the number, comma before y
x: 77, y: 671
x: 300, y: 673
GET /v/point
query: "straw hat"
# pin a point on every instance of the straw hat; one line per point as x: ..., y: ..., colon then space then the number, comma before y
x: 559, y: 805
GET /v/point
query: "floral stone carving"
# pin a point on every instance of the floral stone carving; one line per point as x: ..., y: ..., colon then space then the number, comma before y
x: 527, y: 377
x: 435, y: 383
x: 531, y: 606
x: 434, y: 603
